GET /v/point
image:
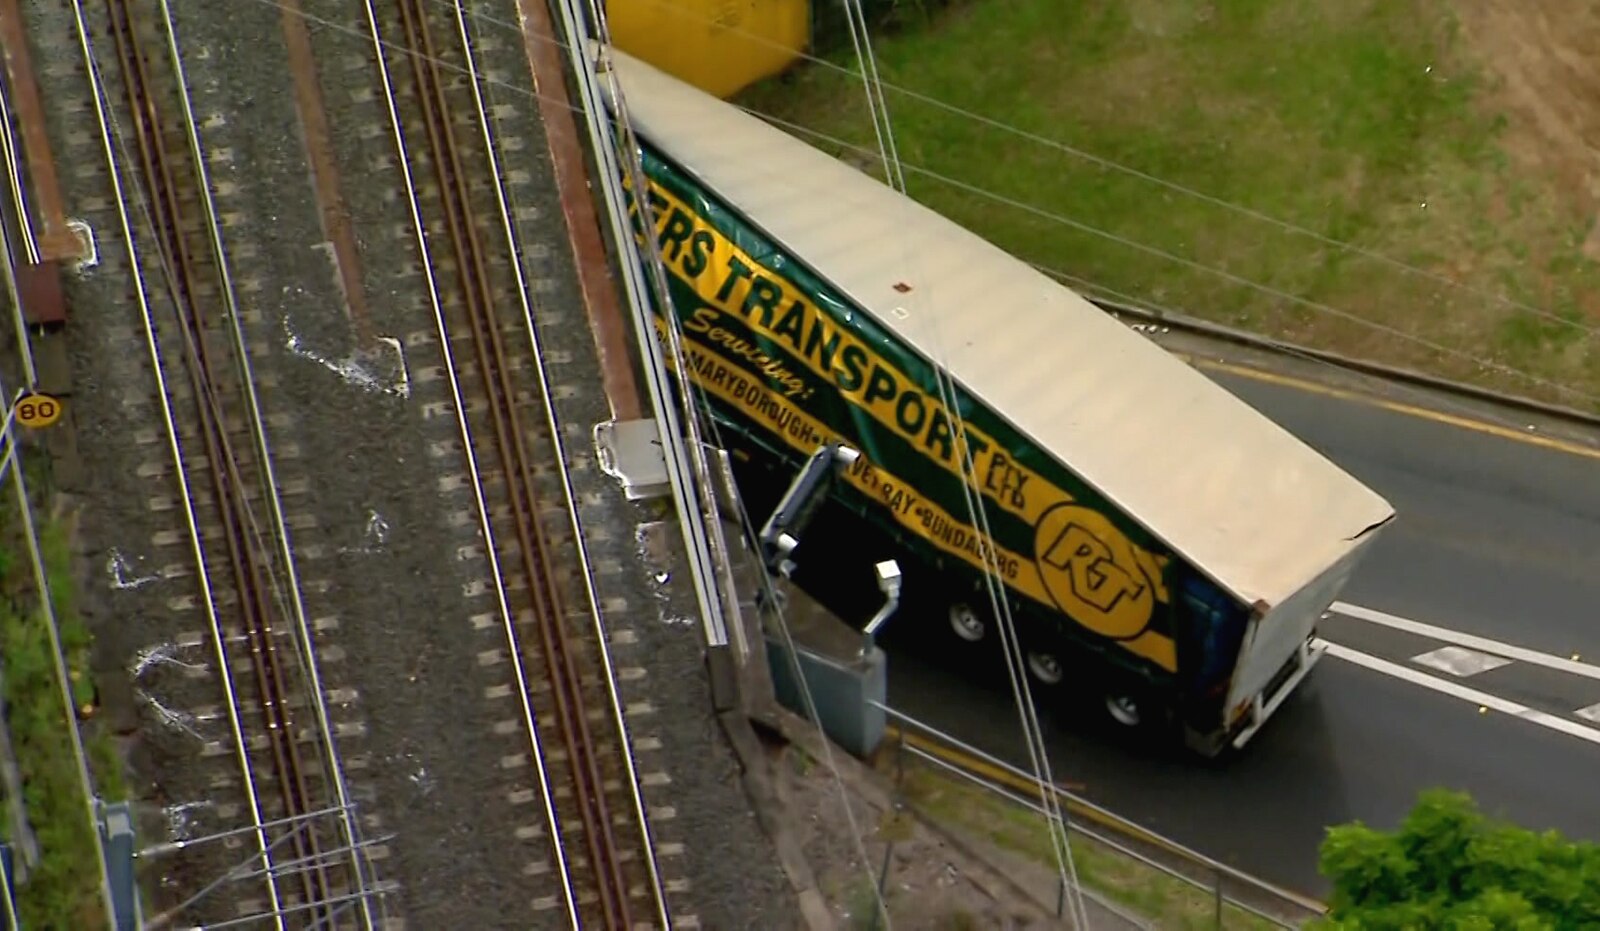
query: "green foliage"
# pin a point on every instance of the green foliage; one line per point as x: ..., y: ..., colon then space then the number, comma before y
x: 1364, y: 121
x: 1449, y: 867
x: 63, y: 891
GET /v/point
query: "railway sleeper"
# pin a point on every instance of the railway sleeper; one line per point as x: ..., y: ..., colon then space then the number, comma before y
x: 604, y: 749
x: 500, y: 513
x: 259, y: 743
x: 511, y: 329
x: 588, y: 683
x: 501, y: 294
x: 579, y: 653
x: 243, y: 462
x: 242, y: 665
x: 468, y: 368
x: 217, y: 561
x: 240, y: 436
x: 511, y: 551
x: 248, y: 706
x: 494, y: 479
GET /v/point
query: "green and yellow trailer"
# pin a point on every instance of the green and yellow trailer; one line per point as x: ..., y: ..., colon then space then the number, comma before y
x: 1158, y: 540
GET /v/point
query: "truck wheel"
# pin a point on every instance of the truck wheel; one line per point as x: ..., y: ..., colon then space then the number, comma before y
x: 1045, y: 668
x: 1124, y: 709
x: 966, y: 622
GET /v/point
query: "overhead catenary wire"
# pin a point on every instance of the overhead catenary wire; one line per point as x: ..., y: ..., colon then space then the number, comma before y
x: 11, y: 461
x: 281, y: 584
x: 677, y: 8
x: 877, y: 107
x: 1004, y: 200
x: 1315, y: 306
x: 630, y: 156
x: 972, y: 497
x: 1231, y: 277
x: 891, y: 164
x: 1425, y: 398
x: 967, y: 187
x: 1480, y: 362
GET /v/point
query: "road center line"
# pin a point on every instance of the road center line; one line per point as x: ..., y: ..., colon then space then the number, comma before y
x: 1473, y: 423
x: 1455, y: 690
x: 1470, y: 641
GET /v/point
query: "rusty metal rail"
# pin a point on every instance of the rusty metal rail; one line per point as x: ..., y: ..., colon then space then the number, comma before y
x: 53, y: 240
x: 250, y: 596
x: 528, y: 517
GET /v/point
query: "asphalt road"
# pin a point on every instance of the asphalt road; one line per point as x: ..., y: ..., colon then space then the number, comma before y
x: 1497, y: 538
x: 1494, y: 537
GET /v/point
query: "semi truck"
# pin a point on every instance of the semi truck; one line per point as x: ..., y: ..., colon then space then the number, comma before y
x: 1160, y: 542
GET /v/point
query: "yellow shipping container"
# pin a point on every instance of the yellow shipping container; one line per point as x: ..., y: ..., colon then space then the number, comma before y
x: 719, y: 46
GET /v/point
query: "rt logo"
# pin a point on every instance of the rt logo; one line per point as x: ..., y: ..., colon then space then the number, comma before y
x: 1089, y: 568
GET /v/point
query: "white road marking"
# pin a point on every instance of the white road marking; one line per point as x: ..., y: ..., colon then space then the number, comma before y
x: 1459, y: 662
x: 1470, y: 641
x: 1591, y: 713
x: 1455, y: 690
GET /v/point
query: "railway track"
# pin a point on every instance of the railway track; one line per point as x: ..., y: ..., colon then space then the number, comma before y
x: 304, y: 861
x: 601, y: 869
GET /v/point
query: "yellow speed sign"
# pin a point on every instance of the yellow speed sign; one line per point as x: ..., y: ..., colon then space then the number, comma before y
x: 36, y: 411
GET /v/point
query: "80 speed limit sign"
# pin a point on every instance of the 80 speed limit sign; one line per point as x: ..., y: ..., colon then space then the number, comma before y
x: 36, y: 411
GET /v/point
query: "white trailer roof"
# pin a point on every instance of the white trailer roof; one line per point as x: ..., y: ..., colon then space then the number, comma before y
x: 1250, y: 505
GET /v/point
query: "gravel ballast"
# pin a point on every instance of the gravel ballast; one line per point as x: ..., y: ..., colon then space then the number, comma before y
x: 377, y: 510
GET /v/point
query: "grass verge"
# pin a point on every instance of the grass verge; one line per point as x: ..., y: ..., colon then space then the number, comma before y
x: 1365, y: 121
x: 1152, y: 894
x: 63, y: 890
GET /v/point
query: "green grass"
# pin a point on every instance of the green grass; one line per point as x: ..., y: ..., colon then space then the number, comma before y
x: 1341, y: 116
x: 63, y: 891
x: 1152, y: 894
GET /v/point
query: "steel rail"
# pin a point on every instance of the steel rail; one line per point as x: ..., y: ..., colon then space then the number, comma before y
x: 569, y: 897
x: 533, y: 549
x: 279, y: 524
x: 175, y: 447
x: 15, y: 182
x: 12, y: 461
x: 479, y: 291
x: 248, y: 553
x: 585, y: 568
x: 161, y: 179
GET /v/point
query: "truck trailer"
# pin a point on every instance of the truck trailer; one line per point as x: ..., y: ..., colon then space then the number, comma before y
x: 1159, y: 540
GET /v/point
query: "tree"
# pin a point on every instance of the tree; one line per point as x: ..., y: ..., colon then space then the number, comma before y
x: 1449, y: 867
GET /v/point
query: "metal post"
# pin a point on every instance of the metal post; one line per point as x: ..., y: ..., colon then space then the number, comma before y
x: 888, y: 573
x: 6, y: 889
x: 1218, y: 874
x: 47, y: 608
x: 883, y: 883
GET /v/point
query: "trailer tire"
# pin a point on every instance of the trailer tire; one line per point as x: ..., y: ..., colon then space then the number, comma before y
x: 1046, y: 668
x: 967, y: 623
x: 1125, y: 709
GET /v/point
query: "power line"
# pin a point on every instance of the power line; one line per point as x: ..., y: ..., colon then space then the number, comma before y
x: 1308, y: 303
x: 1094, y: 290
x: 625, y: 145
x: 994, y: 583
x: 745, y: 519
x: 1054, y: 217
x: 973, y: 189
x: 1231, y: 277
x: 1175, y: 187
